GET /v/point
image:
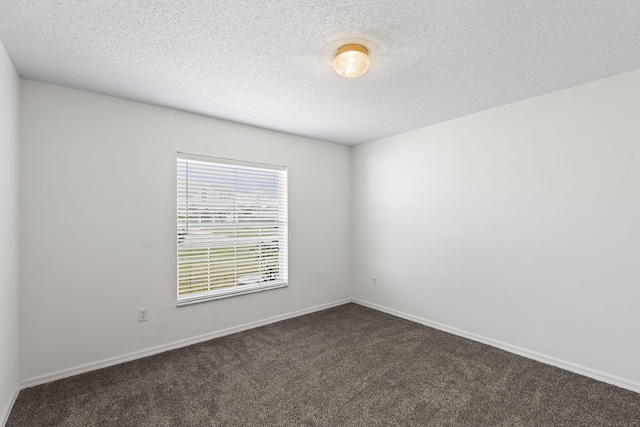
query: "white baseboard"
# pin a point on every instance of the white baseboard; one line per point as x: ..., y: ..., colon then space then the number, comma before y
x: 69, y: 372
x: 4, y: 416
x: 549, y: 360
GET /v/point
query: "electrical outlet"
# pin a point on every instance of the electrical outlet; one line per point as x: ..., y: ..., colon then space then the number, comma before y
x: 143, y: 315
x: 374, y: 282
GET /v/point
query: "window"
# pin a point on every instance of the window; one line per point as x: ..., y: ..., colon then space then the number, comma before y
x: 232, y: 227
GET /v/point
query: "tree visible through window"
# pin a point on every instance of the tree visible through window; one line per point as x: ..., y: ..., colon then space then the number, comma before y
x: 232, y: 227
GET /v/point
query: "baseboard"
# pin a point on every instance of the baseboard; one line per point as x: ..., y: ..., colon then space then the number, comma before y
x: 4, y: 416
x: 549, y: 360
x: 65, y: 373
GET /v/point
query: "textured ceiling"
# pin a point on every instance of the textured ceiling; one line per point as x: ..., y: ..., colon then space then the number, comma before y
x: 268, y: 63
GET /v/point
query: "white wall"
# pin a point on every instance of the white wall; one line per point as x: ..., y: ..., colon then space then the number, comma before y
x: 520, y: 224
x: 9, y: 86
x: 98, y: 225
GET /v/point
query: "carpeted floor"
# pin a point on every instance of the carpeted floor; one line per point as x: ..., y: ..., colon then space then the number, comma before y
x: 346, y: 366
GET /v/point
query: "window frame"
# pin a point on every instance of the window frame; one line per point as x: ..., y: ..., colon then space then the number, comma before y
x: 217, y: 164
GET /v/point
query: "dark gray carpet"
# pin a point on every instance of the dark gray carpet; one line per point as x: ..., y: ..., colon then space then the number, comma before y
x: 346, y: 366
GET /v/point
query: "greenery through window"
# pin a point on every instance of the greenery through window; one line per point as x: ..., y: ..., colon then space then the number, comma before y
x: 232, y: 227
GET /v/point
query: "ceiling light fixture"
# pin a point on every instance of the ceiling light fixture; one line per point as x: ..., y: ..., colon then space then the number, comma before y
x: 352, y: 60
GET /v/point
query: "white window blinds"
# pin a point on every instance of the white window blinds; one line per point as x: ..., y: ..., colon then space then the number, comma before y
x: 232, y: 227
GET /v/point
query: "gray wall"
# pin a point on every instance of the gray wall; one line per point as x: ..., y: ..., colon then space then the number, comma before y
x: 9, y: 86
x: 519, y: 224
x: 98, y: 236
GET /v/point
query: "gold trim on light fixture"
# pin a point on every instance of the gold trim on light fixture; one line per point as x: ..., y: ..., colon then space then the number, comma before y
x: 352, y: 60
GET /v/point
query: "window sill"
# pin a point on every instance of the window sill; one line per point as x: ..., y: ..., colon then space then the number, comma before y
x: 227, y: 293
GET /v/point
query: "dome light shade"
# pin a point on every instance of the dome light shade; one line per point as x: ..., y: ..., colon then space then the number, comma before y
x: 352, y: 60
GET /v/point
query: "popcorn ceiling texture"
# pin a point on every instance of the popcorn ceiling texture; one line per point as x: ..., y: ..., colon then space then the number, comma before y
x: 269, y: 64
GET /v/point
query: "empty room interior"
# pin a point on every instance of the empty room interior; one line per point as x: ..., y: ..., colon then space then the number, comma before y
x: 319, y: 213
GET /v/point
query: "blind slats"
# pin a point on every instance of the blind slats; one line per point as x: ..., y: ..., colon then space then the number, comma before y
x: 232, y: 226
